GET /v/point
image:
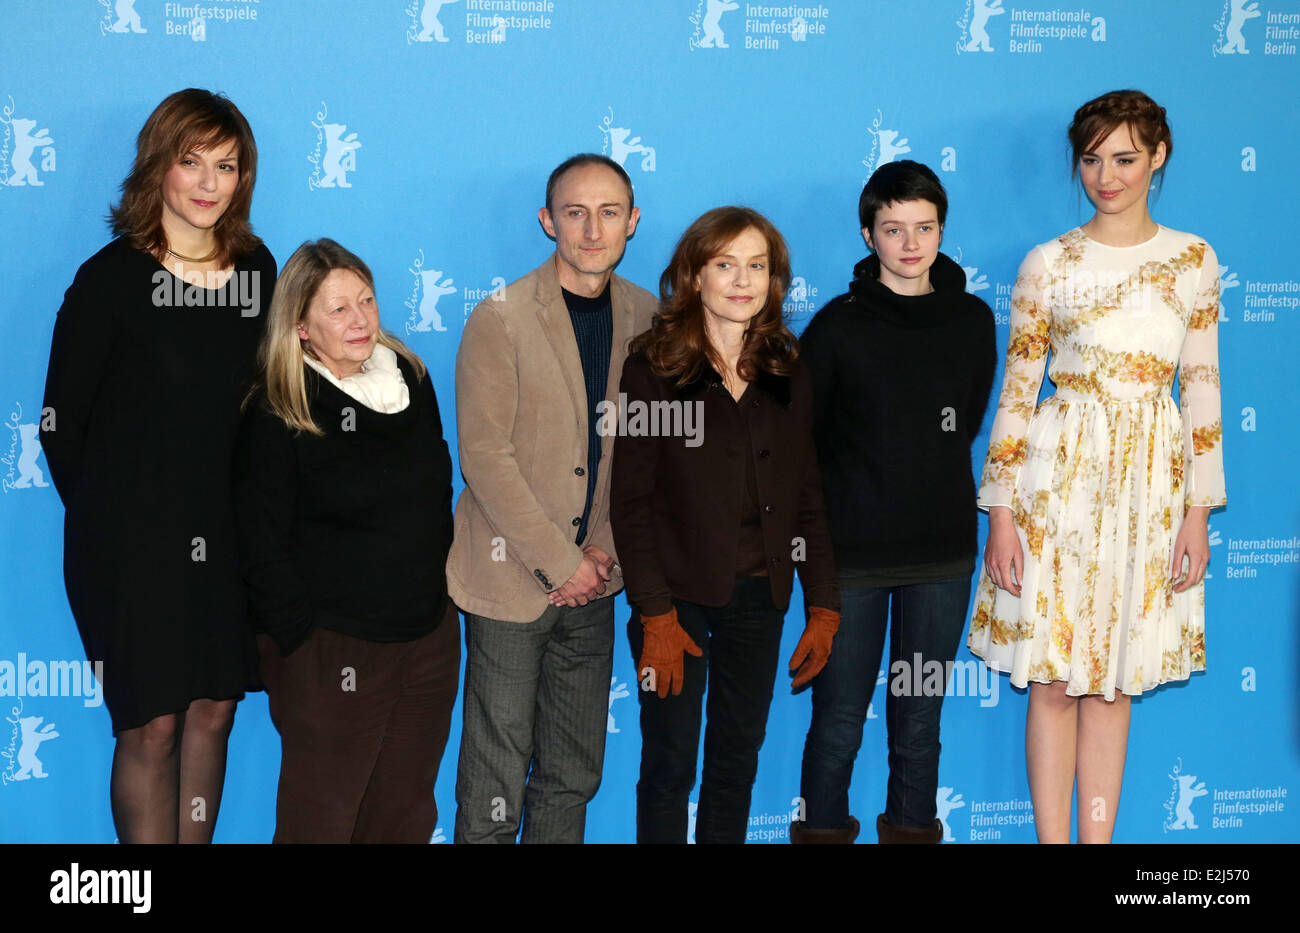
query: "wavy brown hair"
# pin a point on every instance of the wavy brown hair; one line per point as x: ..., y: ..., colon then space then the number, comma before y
x: 677, y: 344
x: 281, y: 368
x: 1099, y: 117
x: 186, y: 121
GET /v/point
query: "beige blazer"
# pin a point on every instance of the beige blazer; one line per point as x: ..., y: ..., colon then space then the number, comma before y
x: 521, y: 417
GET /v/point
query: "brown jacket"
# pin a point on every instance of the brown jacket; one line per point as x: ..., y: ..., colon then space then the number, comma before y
x: 676, y: 508
x: 521, y: 415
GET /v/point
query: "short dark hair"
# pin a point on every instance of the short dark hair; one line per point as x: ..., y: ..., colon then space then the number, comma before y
x: 587, y: 158
x: 903, y: 180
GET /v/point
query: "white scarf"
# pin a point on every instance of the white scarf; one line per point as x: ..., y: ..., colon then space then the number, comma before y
x: 379, y: 386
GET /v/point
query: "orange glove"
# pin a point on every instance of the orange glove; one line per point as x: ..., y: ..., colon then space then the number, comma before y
x: 814, y: 648
x: 662, y: 652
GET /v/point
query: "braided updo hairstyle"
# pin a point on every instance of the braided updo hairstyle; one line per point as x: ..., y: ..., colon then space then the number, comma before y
x: 1096, y: 119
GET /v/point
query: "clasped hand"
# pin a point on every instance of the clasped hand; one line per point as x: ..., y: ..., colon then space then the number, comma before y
x: 588, y: 581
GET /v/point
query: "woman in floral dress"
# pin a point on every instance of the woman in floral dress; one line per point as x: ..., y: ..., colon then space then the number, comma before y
x: 1092, y: 589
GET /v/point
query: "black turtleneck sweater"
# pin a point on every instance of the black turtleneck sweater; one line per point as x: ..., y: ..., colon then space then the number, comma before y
x: 593, y: 329
x: 900, y: 385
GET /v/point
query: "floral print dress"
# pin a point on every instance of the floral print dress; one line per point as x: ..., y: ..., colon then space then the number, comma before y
x: 1099, y: 474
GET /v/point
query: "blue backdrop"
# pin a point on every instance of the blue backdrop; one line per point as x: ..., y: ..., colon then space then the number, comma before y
x: 419, y: 134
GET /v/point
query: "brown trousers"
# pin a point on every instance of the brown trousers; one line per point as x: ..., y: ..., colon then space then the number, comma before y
x: 362, y: 728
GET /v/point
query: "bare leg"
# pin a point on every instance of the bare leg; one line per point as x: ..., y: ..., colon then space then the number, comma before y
x: 203, y: 767
x: 1050, y: 729
x: 1103, y: 742
x: 142, y: 788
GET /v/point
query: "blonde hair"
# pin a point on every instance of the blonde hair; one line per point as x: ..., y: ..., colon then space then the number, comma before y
x: 281, y: 374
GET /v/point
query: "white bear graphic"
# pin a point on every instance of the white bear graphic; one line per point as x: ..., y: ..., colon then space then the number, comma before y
x: 339, y: 156
x: 127, y: 17
x: 616, y: 692
x: 620, y: 147
x: 431, y: 290
x: 945, y: 802
x: 429, y: 20
x: 25, y: 143
x: 1186, y: 794
x: 713, y: 38
x: 29, y: 474
x: 889, y: 148
x: 29, y: 766
x: 1227, y: 280
x: 979, y: 34
x: 1236, y: 42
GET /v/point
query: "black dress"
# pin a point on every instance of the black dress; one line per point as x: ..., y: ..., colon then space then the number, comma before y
x: 142, y: 404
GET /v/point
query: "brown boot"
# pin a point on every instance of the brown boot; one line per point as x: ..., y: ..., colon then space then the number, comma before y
x: 802, y: 835
x: 889, y: 834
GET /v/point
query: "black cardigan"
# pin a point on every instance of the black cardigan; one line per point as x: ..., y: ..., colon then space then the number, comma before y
x: 900, y: 385
x: 348, y: 531
x: 676, y: 509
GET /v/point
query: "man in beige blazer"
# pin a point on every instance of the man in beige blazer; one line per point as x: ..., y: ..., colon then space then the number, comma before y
x: 533, y: 563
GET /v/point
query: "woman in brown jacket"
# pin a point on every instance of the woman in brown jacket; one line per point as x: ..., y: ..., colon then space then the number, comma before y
x: 716, y: 501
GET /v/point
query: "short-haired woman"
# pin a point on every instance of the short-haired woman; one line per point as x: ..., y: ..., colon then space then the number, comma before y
x: 343, y: 493
x: 153, y: 349
x: 901, y: 367
x: 712, y: 522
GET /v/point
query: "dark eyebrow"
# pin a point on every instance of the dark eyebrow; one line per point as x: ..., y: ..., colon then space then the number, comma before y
x: 231, y: 158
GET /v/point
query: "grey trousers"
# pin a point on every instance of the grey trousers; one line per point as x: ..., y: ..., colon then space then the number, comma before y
x: 532, y: 744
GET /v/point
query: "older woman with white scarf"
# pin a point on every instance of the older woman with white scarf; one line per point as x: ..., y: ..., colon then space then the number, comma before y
x: 343, y: 494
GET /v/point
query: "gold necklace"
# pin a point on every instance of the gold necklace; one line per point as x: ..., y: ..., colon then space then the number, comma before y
x: 210, y: 256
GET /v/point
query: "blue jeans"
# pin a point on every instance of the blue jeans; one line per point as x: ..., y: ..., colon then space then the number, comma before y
x: 741, y: 642
x: 535, y: 712
x: 927, y: 621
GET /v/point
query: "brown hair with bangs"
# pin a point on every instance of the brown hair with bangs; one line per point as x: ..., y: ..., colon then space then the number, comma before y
x: 187, y: 121
x: 1099, y: 117
x: 677, y: 344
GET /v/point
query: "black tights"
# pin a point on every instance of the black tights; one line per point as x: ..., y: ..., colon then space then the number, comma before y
x: 168, y: 774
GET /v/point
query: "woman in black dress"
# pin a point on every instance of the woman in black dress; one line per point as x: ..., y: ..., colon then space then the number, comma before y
x: 153, y: 349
